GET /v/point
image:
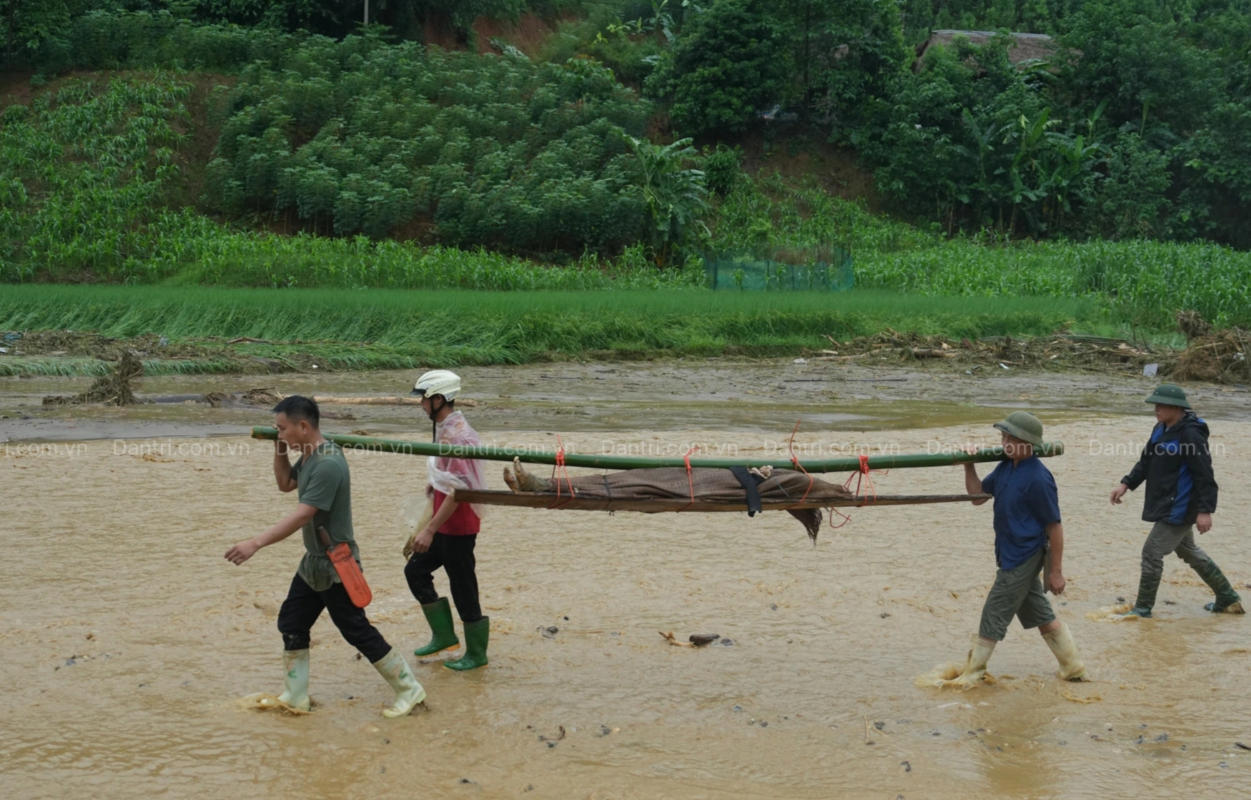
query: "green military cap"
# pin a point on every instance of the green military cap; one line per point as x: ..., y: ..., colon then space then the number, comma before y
x: 1167, y: 394
x: 1024, y: 426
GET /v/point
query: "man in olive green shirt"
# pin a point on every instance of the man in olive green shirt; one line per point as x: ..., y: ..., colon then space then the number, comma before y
x: 325, y: 501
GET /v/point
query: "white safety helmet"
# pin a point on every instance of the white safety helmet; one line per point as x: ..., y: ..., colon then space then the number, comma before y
x: 438, y: 381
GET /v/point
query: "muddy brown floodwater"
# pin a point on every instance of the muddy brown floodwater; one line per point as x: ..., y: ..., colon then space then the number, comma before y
x: 128, y: 640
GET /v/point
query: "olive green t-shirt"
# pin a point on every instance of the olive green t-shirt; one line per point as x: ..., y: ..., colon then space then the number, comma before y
x: 323, y: 482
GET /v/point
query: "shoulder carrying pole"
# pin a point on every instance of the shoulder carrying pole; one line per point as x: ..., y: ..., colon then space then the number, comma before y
x: 853, y: 464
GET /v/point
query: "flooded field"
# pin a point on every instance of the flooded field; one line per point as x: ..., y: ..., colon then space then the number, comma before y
x: 128, y: 640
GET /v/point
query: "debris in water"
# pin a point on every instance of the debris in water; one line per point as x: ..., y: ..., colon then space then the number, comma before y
x: 264, y: 396
x: 1114, y: 613
x: 702, y: 639
x: 549, y: 632
x: 269, y: 702
x: 671, y: 639
x: 907, y: 767
x: 112, y: 389
x: 1068, y: 695
x: 1241, y: 746
x: 552, y: 740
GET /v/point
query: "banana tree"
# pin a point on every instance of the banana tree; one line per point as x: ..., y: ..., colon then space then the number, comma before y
x: 675, y: 194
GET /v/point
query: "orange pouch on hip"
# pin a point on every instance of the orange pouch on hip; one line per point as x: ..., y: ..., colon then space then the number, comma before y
x: 349, y: 571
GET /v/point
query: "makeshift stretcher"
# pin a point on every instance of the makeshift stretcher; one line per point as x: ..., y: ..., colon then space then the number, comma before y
x: 686, y: 484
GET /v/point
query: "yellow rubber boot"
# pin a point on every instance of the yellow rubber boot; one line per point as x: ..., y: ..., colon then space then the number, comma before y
x: 1065, y: 649
x: 408, y: 692
x: 295, y: 663
x: 974, y: 666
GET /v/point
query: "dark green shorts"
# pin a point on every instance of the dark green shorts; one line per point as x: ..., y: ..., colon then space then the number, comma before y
x: 1017, y: 593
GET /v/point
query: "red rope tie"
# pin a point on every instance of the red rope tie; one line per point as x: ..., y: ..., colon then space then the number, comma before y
x: 563, y: 471
x: 795, y: 463
x: 690, y: 480
x: 863, y: 473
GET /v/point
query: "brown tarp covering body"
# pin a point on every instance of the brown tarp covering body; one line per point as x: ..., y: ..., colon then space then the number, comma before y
x: 706, y: 486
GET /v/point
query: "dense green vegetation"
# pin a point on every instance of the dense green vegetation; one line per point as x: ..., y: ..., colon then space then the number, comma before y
x: 1135, y: 282
x: 408, y: 329
x: 280, y: 144
x: 87, y: 174
x: 86, y: 171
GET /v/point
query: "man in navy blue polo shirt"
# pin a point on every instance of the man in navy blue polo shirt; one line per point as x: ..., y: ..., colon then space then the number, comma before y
x: 1029, y: 541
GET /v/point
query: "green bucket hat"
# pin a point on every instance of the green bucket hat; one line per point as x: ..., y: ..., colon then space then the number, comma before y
x: 1167, y: 394
x: 1024, y: 426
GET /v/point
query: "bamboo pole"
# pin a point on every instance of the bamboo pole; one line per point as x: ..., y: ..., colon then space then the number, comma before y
x: 375, y: 444
x: 655, y: 505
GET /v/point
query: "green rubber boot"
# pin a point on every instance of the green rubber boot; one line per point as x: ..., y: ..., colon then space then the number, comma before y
x: 295, y: 662
x: 476, y: 636
x: 439, y: 615
x: 1227, y: 600
x: 1148, y: 585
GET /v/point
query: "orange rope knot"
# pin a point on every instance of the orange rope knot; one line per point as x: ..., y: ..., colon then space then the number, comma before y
x: 795, y: 462
x: 865, y: 474
x: 690, y: 480
x: 564, y: 472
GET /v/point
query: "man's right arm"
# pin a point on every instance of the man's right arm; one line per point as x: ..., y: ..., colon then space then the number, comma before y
x: 1139, y: 473
x: 972, y: 483
x: 282, y: 468
x: 1135, y: 477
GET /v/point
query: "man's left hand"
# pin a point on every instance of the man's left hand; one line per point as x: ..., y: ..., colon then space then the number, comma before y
x: 1056, y: 583
x: 1204, y: 522
x: 242, y: 551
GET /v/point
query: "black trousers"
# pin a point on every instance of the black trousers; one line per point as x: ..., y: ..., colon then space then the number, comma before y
x: 455, y: 555
x: 303, y: 606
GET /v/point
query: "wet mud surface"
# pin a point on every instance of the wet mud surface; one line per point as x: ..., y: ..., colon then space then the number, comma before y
x: 756, y: 395
x: 128, y: 640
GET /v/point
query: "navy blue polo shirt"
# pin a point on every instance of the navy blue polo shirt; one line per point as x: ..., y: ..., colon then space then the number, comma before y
x: 1026, y: 502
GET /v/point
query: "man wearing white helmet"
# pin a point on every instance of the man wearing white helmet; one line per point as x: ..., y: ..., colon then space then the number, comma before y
x: 448, y: 539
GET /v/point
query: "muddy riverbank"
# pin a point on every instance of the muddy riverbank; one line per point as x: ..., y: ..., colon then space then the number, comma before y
x: 129, y: 640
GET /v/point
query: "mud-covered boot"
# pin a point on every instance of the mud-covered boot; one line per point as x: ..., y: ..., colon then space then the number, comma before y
x: 1065, y: 650
x: 1148, y: 586
x: 476, y: 636
x: 1227, y: 600
x: 295, y: 663
x: 408, y: 692
x: 974, y: 671
x: 439, y: 615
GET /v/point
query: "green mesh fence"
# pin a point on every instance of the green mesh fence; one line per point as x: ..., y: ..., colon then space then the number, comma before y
x: 808, y: 268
